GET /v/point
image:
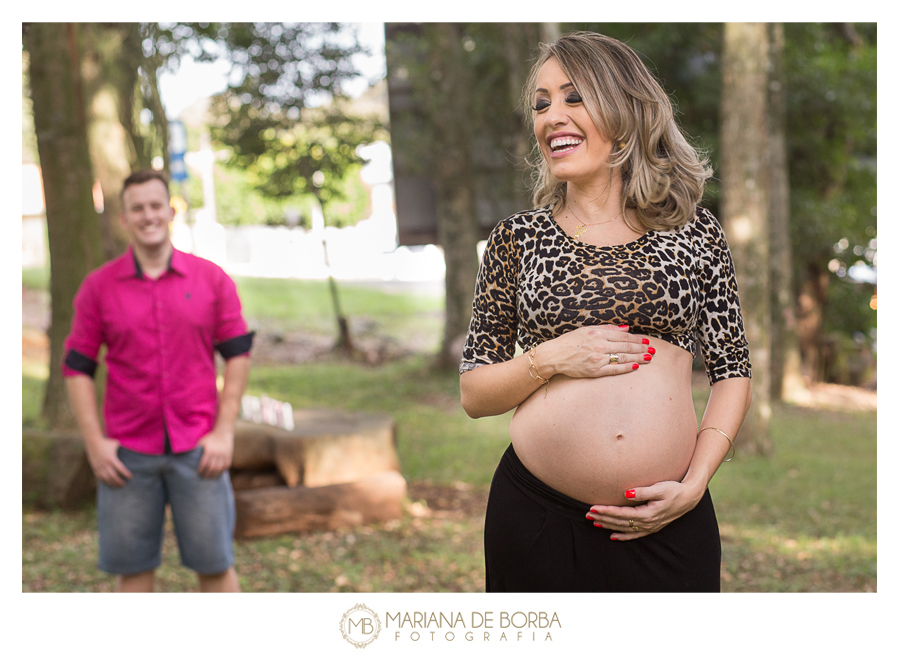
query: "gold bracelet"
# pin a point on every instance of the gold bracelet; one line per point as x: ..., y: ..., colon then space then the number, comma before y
x: 716, y: 429
x: 533, y: 371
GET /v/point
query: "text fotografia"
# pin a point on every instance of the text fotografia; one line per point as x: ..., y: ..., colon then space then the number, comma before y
x: 479, y: 626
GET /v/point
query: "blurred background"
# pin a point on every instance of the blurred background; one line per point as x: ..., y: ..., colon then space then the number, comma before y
x: 346, y: 175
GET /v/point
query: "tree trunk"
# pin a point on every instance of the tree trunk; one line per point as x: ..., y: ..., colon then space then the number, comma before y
x: 130, y: 62
x: 745, y: 206
x: 107, y: 140
x: 456, y: 218
x: 520, y: 46
x: 344, y: 344
x: 810, y: 317
x: 550, y: 32
x: 104, y: 71
x: 787, y: 381
x: 73, y: 230
x: 153, y: 101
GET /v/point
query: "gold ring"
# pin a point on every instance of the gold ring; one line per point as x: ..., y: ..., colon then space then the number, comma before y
x: 614, y: 357
x: 631, y: 523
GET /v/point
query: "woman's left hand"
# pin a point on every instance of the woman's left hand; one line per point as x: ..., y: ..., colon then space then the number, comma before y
x: 665, y: 502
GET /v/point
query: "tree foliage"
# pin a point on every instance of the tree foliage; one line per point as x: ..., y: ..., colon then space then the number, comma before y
x: 239, y: 203
x: 285, y: 115
x: 831, y: 79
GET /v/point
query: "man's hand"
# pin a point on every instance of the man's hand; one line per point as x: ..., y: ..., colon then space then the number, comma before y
x: 102, y: 452
x: 218, y: 447
x: 104, y: 460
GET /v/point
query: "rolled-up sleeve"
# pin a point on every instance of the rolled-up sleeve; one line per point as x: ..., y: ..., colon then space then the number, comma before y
x: 82, y: 345
x: 493, y: 329
x: 721, y: 323
x: 231, y: 337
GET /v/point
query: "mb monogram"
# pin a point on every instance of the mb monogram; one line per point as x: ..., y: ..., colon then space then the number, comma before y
x: 360, y: 626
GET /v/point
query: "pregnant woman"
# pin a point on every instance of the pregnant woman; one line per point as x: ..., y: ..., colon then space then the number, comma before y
x: 608, y: 286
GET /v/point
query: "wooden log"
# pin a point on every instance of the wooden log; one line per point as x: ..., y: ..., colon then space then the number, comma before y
x: 334, y: 447
x: 278, y: 510
x: 241, y: 480
x: 325, y: 447
x: 253, y: 445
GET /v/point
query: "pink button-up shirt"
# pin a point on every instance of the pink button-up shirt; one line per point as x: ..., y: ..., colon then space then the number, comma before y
x: 160, y: 336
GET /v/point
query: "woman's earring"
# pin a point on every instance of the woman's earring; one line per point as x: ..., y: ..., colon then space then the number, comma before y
x: 621, y: 145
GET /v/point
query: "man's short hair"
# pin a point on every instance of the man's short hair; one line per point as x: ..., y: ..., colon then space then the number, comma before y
x: 144, y: 176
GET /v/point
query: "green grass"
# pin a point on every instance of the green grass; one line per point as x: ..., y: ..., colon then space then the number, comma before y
x: 36, y: 277
x: 816, y: 483
x: 408, y: 555
x: 300, y: 305
x: 32, y: 399
x: 807, y: 515
x: 803, y: 520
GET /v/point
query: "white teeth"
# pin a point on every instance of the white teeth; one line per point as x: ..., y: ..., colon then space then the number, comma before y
x: 561, y: 142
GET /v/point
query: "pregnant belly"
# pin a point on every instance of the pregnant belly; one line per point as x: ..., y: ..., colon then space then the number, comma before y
x: 593, y: 439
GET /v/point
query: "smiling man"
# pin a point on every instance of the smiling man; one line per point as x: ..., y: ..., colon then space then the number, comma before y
x: 167, y: 435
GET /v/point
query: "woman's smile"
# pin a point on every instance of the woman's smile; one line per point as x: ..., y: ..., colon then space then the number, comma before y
x: 562, y: 144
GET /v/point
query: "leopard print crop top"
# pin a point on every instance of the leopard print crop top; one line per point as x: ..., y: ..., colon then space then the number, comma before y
x: 536, y: 283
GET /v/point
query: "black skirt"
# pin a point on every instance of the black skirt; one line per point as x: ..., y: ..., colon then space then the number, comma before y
x: 537, y: 539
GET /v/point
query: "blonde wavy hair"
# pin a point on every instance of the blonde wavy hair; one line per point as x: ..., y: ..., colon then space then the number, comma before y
x: 663, y: 176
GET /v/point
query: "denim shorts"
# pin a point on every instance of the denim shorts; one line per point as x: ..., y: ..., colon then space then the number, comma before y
x: 130, y: 518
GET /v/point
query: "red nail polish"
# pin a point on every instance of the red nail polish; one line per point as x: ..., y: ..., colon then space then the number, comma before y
x: 647, y: 357
x: 634, y: 366
x: 598, y: 525
x: 652, y: 350
x: 614, y: 539
x: 623, y: 326
x: 629, y: 493
x: 588, y: 517
x: 646, y: 341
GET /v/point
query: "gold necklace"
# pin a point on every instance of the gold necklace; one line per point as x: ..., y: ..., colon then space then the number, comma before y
x: 582, y: 227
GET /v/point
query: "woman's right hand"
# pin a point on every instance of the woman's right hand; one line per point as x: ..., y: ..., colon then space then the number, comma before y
x: 585, y: 352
